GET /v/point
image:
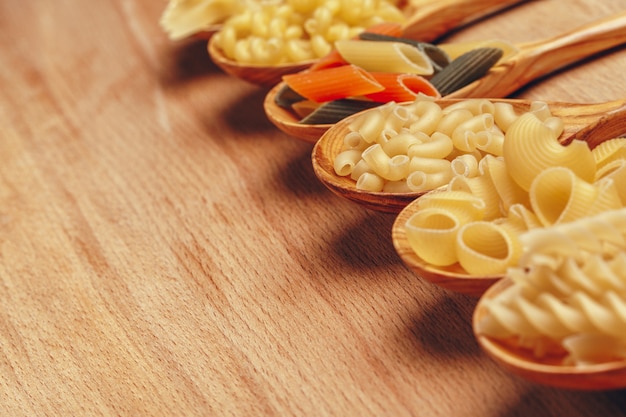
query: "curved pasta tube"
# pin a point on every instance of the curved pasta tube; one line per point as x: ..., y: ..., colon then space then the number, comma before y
x: 432, y: 235
x: 504, y: 115
x: 509, y: 192
x: 354, y: 140
x: 369, y: 124
x: 485, y: 248
x: 530, y: 147
x: 465, y: 165
x: 489, y: 141
x: 521, y: 218
x: 345, y: 162
x: 465, y: 206
x: 464, y: 133
x: 419, y: 181
x: 397, y: 118
x: 609, y: 151
x: 476, y: 106
x: 451, y: 120
x: 427, y: 115
x: 558, y: 195
x: 390, y: 168
x: 616, y: 171
x: 482, y: 187
x: 608, y: 197
x: 438, y: 145
x: 359, y: 169
x: 369, y: 181
x: 400, y: 143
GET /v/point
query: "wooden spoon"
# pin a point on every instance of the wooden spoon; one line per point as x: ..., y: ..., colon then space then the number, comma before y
x: 452, y: 278
x: 547, y: 370
x: 429, y: 19
x: 533, y: 60
x: 578, y: 120
x: 601, y: 126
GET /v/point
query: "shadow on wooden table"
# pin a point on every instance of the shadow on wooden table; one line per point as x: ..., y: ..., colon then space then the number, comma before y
x: 186, y: 61
x: 541, y: 401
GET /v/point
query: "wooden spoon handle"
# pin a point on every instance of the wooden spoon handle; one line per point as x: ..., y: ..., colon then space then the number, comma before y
x: 539, y: 58
x: 551, y: 54
x: 433, y: 19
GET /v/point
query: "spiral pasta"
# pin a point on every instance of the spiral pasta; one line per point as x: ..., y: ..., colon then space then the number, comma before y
x: 569, y: 291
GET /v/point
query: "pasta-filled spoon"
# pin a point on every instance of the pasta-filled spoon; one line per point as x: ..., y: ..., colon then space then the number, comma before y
x: 577, y: 120
x: 534, y: 60
x: 594, y: 124
x: 549, y: 369
x: 428, y: 20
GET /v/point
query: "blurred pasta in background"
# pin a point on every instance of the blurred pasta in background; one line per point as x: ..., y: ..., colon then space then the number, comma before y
x: 287, y: 31
x: 185, y: 18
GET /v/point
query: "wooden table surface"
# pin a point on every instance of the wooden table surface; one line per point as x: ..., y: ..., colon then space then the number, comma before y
x: 166, y: 251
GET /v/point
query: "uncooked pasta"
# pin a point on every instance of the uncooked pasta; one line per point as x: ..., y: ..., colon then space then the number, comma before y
x: 568, y: 292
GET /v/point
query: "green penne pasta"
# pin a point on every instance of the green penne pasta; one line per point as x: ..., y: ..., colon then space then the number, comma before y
x: 334, y: 111
x: 465, y: 69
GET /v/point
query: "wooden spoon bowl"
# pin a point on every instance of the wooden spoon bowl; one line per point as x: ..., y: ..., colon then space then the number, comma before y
x: 426, y: 21
x: 548, y: 370
x: 533, y: 60
x: 578, y: 119
x: 452, y: 278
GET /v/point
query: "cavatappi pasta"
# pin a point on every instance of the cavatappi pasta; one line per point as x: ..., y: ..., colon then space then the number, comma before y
x: 531, y: 185
x: 286, y: 31
x: 568, y: 292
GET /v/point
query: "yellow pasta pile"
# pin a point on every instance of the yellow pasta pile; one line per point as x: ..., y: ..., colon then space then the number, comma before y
x: 284, y: 31
x: 568, y: 292
x: 183, y: 18
x: 537, y: 182
x: 422, y: 146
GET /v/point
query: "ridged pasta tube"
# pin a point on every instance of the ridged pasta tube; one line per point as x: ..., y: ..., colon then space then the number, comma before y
x: 530, y: 147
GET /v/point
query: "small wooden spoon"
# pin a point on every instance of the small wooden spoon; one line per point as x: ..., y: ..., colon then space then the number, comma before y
x: 534, y: 60
x: 452, y: 278
x: 429, y: 19
x: 578, y: 120
x: 606, y: 126
x: 548, y: 370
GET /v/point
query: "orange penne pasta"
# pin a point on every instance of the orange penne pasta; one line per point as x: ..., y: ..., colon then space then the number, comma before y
x: 331, y: 60
x: 401, y: 87
x: 333, y: 83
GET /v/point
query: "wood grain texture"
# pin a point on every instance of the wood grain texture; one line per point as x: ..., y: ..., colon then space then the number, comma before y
x: 165, y: 250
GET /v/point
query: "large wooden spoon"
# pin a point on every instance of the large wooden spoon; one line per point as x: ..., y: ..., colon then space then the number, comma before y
x: 428, y: 20
x: 548, y: 370
x: 534, y: 59
x: 606, y: 126
x: 577, y: 119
